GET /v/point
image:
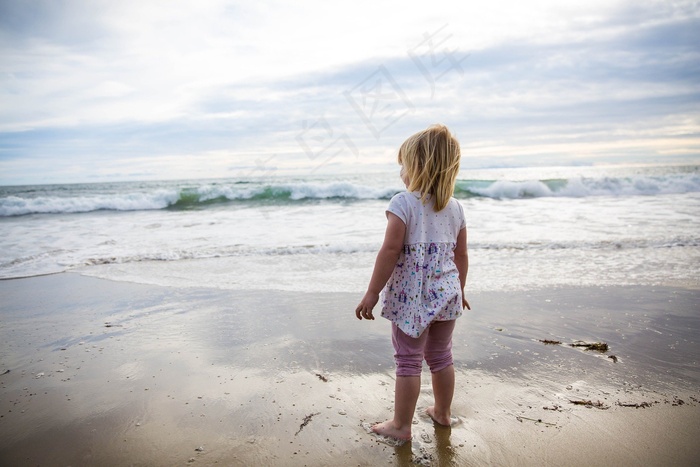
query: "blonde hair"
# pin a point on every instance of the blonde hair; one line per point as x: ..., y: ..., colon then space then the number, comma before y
x: 431, y: 161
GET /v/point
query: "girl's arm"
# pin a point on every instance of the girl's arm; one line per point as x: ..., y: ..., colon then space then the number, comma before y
x: 384, y: 265
x: 462, y: 262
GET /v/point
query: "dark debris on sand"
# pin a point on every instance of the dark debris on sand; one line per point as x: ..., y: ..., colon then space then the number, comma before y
x: 641, y: 405
x: 520, y: 418
x: 322, y: 378
x: 554, y: 407
x: 589, y: 404
x: 306, y: 421
x: 599, y: 346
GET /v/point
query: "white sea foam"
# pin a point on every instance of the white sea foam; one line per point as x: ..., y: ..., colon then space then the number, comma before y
x: 579, y: 187
x: 187, y: 195
x: 17, y: 206
x: 263, y: 234
x: 293, y: 191
x: 512, y: 190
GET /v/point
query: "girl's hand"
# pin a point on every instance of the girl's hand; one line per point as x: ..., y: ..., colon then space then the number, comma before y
x: 465, y: 303
x: 364, y: 309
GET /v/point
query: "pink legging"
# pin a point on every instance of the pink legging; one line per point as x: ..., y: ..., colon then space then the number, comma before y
x: 435, y: 345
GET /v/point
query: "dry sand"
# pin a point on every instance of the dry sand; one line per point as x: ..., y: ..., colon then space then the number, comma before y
x: 106, y: 373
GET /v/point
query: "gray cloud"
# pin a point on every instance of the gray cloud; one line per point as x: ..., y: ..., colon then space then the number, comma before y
x: 617, y: 88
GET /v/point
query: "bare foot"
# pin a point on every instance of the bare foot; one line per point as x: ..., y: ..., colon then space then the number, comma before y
x: 388, y: 429
x: 440, y: 420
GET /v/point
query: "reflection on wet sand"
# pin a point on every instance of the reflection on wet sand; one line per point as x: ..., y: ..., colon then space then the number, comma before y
x: 116, y: 373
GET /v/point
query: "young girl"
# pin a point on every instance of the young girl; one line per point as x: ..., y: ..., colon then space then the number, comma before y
x: 422, y: 269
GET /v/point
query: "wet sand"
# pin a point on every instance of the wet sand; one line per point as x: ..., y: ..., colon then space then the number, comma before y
x: 108, y: 373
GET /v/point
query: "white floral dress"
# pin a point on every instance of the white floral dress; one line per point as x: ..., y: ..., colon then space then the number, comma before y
x: 424, y: 285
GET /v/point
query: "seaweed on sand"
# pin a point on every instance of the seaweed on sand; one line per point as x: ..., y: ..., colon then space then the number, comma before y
x: 554, y: 407
x: 642, y: 405
x: 599, y: 346
x: 306, y: 421
x: 588, y: 403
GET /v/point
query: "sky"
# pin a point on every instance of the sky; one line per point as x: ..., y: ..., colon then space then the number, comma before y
x: 96, y: 90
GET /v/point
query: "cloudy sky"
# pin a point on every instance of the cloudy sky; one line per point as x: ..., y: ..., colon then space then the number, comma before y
x: 137, y: 89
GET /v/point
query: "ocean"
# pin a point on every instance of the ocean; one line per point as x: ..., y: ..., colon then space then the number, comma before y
x: 528, y: 228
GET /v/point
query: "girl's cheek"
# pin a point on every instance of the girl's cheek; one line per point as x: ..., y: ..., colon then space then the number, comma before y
x: 404, y: 177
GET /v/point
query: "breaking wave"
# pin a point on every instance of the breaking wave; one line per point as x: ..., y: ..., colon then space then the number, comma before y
x: 18, y: 201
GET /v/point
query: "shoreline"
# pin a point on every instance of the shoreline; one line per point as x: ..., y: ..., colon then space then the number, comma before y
x: 114, y: 373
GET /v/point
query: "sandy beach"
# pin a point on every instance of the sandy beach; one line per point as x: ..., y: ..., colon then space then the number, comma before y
x: 95, y: 372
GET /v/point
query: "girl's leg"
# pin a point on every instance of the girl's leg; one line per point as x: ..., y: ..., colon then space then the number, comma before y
x: 443, y: 389
x: 409, y: 360
x: 438, y: 353
x: 407, y: 392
